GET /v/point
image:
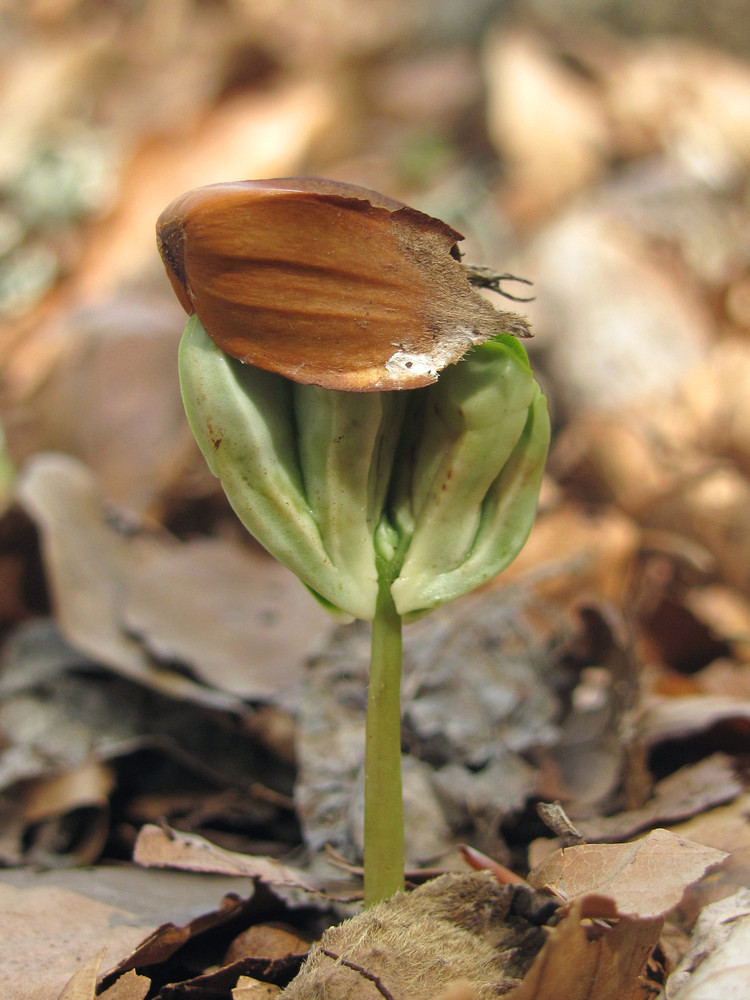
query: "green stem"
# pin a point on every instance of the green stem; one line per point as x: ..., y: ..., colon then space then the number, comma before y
x: 384, y: 811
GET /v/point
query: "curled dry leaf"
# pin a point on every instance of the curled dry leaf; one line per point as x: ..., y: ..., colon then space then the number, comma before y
x: 324, y: 282
x: 160, y: 848
x: 581, y: 961
x: 687, y: 792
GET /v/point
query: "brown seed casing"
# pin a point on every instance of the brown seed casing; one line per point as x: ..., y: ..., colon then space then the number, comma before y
x: 325, y: 283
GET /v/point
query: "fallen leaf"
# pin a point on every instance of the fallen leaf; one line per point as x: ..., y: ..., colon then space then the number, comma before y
x: 131, y: 986
x: 159, y: 848
x: 82, y: 984
x: 713, y: 508
x: 126, y: 596
x: 51, y: 932
x: 607, y: 299
x: 645, y: 878
x: 99, y: 385
x: 725, y: 829
x: 584, y: 962
x: 679, y: 717
x: 717, y: 963
x: 269, y: 940
x: 573, y: 550
x: 682, y: 94
x: 260, y: 134
x: 248, y: 988
x: 243, y: 622
x: 727, y: 614
x: 690, y: 790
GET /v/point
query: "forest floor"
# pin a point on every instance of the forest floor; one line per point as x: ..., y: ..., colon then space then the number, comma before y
x: 181, y: 726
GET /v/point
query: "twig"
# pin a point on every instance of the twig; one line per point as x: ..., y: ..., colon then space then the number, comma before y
x: 375, y: 980
x: 554, y: 816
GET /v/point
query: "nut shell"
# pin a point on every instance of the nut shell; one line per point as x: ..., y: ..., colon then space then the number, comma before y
x: 325, y: 283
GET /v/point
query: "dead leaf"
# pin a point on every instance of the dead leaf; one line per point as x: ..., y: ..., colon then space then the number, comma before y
x: 260, y: 134
x: 52, y: 931
x: 690, y: 790
x: 131, y: 986
x: 727, y: 613
x: 269, y: 941
x: 239, y: 618
x: 48, y: 800
x: 717, y: 963
x: 99, y: 385
x: 120, y: 596
x: 682, y: 94
x: 584, y: 962
x: 639, y: 326
x: 713, y: 509
x: 574, y: 551
x: 725, y: 829
x: 82, y: 984
x: 159, y: 848
x: 253, y: 989
x: 680, y: 717
x: 644, y: 879
x: 89, y: 561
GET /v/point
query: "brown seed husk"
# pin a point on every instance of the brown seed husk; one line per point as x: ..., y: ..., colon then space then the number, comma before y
x: 459, y: 932
x: 325, y: 283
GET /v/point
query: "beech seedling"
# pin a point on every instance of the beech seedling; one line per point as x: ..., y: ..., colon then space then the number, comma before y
x: 373, y: 420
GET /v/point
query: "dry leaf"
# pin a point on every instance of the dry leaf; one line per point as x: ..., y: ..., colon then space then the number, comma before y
x: 82, y: 984
x: 680, y: 717
x: 644, y: 879
x: 99, y: 385
x: 260, y: 134
x: 159, y: 848
x: 727, y: 613
x: 253, y: 989
x: 131, y: 986
x: 243, y: 622
x: 725, y: 829
x: 269, y: 941
x: 684, y: 96
x: 48, y: 930
x: 609, y: 300
x: 572, y: 551
x: 115, y: 587
x: 714, y: 510
x: 717, y: 963
x: 689, y: 790
x: 584, y: 962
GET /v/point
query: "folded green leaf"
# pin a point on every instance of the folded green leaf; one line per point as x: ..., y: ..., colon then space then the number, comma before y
x: 242, y: 419
x: 469, y: 424
x: 435, y: 488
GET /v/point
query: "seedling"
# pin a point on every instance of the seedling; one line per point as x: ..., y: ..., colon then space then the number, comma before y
x: 373, y: 420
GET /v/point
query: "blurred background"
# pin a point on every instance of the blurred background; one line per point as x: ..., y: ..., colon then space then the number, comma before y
x: 597, y: 148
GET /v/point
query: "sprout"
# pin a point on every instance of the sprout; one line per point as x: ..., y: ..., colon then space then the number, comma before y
x: 314, y: 306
